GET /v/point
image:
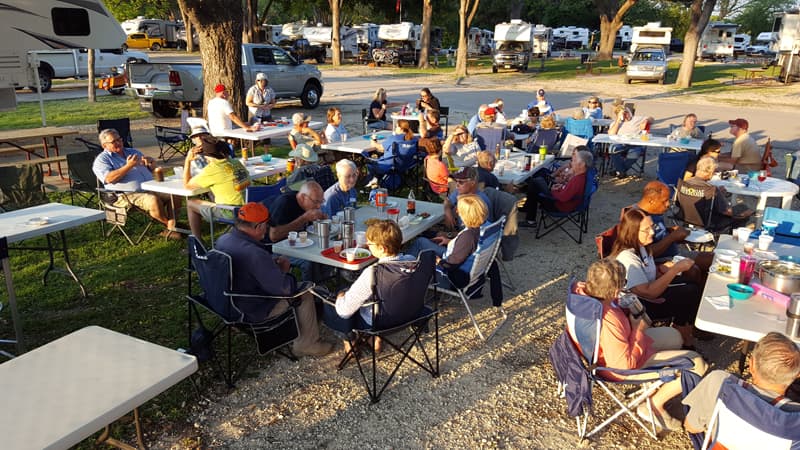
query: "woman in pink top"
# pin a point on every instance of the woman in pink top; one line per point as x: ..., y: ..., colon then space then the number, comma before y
x: 435, y: 169
x: 628, y: 342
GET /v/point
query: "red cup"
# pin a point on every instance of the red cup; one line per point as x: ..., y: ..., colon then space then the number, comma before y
x: 394, y: 214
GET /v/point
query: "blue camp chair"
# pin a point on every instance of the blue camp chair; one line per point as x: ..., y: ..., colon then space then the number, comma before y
x: 397, y: 163
x: 788, y: 230
x: 550, y: 220
x: 575, y: 380
x: 671, y: 167
x: 742, y: 420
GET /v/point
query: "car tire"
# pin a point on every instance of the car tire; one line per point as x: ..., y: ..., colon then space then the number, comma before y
x: 124, y: 47
x: 155, y: 47
x: 45, y: 80
x: 311, y: 95
x: 116, y: 91
x: 320, y: 60
x: 661, y: 80
x: 627, y: 80
x: 163, y: 110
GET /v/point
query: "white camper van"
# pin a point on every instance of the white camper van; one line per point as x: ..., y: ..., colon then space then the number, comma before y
x: 573, y: 37
x: 717, y: 41
x: 651, y: 35
x: 542, y: 41
x: 740, y: 44
x: 26, y: 26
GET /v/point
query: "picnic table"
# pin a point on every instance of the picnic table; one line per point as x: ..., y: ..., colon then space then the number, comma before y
x: 49, y: 137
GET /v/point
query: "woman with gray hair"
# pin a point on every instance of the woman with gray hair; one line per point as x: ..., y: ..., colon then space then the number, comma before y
x: 565, y: 193
x: 628, y: 342
x: 343, y: 193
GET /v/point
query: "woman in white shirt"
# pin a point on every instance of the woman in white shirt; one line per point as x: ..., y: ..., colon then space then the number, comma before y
x: 335, y: 131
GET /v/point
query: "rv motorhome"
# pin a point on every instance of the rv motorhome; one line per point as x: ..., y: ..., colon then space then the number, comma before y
x: 787, y: 25
x: 542, y: 41
x: 514, y: 45
x: 27, y: 25
x: 651, y: 35
x: 717, y: 41
x: 479, y: 41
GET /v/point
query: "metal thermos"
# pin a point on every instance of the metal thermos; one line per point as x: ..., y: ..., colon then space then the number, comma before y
x: 349, y: 214
x: 323, y: 233
x: 634, y: 305
x: 793, y: 317
x: 348, y: 234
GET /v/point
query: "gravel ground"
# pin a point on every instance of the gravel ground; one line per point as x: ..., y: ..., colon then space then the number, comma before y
x: 501, y: 394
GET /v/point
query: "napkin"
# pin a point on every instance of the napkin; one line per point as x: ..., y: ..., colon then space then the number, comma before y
x: 719, y: 301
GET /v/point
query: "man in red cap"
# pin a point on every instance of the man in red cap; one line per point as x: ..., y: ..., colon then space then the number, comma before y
x: 220, y: 113
x: 744, y: 155
x: 256, y: 271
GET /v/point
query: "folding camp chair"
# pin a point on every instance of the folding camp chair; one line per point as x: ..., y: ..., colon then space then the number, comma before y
x: 575, y: 356
x: 396, y: 169
x: 171, y: 141
x: 444, y: 118
x: 489, y: 137
x: 82, y: 180
x: 548, y: 138
x: 120, y: 216
x: 215, y: 273
x: 21, y: 186
x: 742, y: 420
x: 671, y: 167
x: 605, y: 241
x: 550, y: 220
x: 398, y: 305
x: 123, y: 127
x: 264, y: 194
x: 568, y: 146
x: 479, y: 264
x: 581, y: 128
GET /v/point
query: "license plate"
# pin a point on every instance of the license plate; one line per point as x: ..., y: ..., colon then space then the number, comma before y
x: 146, y: 106
x: 507, y: 66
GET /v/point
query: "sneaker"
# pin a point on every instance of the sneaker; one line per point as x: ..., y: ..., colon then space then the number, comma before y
x: 174, y: 235
x: 527, y: 224
x: 667, y: 422
x: 319, y: 349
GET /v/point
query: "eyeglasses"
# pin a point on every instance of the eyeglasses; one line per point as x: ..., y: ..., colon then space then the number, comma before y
x: 114, y: 141
x: 648, y: 229
x: 593, y: 103
x: 317, y: 201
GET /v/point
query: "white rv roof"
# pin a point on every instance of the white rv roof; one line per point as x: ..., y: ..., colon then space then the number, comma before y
x: 27, y: 25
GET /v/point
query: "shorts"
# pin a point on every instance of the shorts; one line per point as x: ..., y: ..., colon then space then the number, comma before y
x: 210, y: 211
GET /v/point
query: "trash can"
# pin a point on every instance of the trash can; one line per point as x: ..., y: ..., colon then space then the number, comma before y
x: 584, y: 58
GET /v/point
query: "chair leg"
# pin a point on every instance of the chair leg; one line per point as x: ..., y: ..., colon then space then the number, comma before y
x: 507, y: 284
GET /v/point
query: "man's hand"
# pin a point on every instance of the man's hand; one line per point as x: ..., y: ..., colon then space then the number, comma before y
x: 314, y: 214
x: 283, y: 264
x: 684, y: 264
x: 678, y: 234
x: 440, y: 240
x: 131, y: 161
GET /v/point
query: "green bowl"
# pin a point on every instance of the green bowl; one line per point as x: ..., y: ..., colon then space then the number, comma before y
x: 739, y: 291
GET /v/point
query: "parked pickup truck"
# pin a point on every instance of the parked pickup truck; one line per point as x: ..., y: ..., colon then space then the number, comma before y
x: 301, y: 49
x: 73, y: 63
x: 162, y: 87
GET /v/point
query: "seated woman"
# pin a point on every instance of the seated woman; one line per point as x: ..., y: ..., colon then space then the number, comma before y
x: 710, y: 147
x: 459, y: 149
x: 627, y: 342
x: 652, y: 283
x: 435, y: 170
x: 546, y: 135
x: 343, y: 193
x: 301, y: 133
x: 429, y: 126
x: 564, y: 194
x: 687, y: 129
x: 226, y: 177
x: 533, y: 117
x: 401, y: 134
x: 376, y: 116
x: 593, y: 108
x: 384, y: 240
x: 335, y: 131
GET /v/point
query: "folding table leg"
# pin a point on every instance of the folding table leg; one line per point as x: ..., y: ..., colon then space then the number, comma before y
x: 105, y: 437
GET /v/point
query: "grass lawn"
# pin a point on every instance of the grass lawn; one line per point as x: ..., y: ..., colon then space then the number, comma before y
x: 71, y: 112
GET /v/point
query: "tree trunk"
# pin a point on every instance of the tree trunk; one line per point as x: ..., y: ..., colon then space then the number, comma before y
x: 425, y: 44
x: 92, y: 95
x: 336, y: 35
x: 250, y: 21
x: 698, y: 19
x: 466, y: 13
x: 609, y: 27
x: 220, y: 27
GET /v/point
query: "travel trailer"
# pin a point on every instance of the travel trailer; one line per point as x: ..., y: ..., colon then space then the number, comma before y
x: 651, y: 35
x: 322, y: 36
x: 624, y: 37
x: 740, y: 43
x: 479, y: 41
x: 574, y: 37
x: 766, y: 44
x: 513, y: 45
x: 26, y: 26
x: 400, y: 44
x: 542, y: 41
x: 717, y: 41
x: 788, y: 29
x: 366, y: 36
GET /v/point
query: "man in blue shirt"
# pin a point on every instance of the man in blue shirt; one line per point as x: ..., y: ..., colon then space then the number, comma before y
x: 124, y: 170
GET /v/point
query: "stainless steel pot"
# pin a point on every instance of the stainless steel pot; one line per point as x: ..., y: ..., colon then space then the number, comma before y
x: 782, y: 276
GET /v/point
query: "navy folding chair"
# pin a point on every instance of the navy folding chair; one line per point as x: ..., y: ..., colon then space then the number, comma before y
x: 549, y: 138
x: 742, y: 420
x: 171, y: 141
x: 264, y: 194
x: 391, y: 169
x: 550, y: 220
x: 584, y: 321
x: 479, y: 264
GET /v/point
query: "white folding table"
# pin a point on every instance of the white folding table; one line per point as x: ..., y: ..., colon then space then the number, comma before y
x: 22, y: 224
x: 266, y: 132
x: 62, y: 392
x: 356, y: 144
x: 771, y: 187
x: 513, y: 170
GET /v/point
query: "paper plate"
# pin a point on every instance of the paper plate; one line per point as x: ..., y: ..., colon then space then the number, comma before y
x: 361, y: 253
x: 699, y: 236
x: 724, y: 255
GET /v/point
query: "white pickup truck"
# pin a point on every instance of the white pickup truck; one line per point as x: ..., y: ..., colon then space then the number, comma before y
x: 73, y: 63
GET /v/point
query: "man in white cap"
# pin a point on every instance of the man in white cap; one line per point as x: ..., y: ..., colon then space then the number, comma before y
x: 261, y: 99
x: 307, y: 168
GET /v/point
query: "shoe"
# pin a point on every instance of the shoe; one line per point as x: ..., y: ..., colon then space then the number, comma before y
x: 171, y: 234
x: 319, y: 349
x: 703, y: 335
x: 667, y: 422
x: 527, y: 224
x: 620, y: 175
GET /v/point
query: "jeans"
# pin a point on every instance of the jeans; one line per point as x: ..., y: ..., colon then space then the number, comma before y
x: 421, y: 244
x: 624, y: 157
x: 341, y: 326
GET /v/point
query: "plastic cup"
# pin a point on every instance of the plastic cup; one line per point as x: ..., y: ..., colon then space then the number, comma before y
x: 344, y: 137
x: 350, y: 253
x: 769, y: 227
x: 507, y: 153
x: 302, y: 237
x: 393, y: 213
x: 266, y: 158
x: 748, y: 248
x: 179, y: 172
x: 337, y: 246
x: 361, y: 238
x: 764, y: 241
x: 743, y: 234
x: 292, y: 238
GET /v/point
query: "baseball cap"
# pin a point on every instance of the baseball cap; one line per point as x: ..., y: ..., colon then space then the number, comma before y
x: 198, y: 130
x: 304, y: 152
x: 298, y: 118
x: 219, y: 88
x: 490, y: 111
x: 466, y: 173
x: 261, y: 76
x: 540, y: 92
x: 254, y: 212
x: 741, y: 123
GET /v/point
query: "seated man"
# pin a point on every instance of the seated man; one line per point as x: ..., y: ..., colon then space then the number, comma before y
x: 256, y: 271
x: 294, y: 211
x: 723, y: 216
x: 745, y: 155
x: 307, y: 167
x: 124, y: 170
x: 562, y: 195
x: 429, y: 126
x: 489, y: 133
x: 343, y: 193
x: 625, y: 123
x: 774, y: 365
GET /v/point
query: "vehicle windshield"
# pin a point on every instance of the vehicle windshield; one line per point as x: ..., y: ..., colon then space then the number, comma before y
x: 648, y: 56
x: 512, y: 46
